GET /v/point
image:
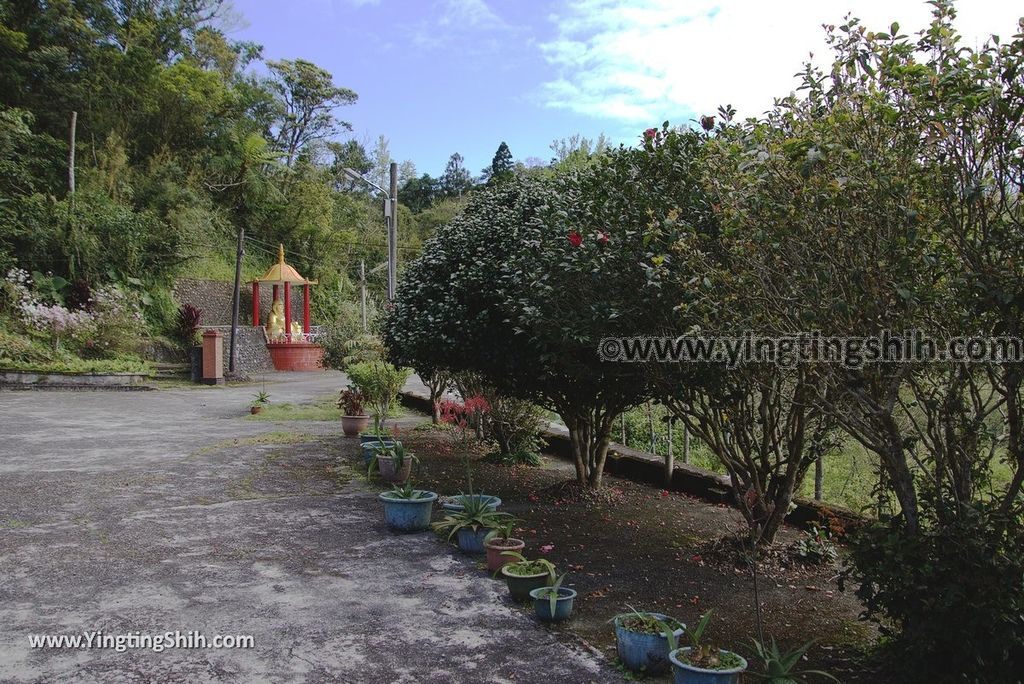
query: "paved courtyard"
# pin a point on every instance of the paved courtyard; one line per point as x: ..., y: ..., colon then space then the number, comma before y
x: 155, y: 512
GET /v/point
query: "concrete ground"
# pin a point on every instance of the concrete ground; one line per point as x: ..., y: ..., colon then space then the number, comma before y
x: 154, y: 512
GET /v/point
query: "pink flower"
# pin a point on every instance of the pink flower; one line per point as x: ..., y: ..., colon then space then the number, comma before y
x: 602, y: 237
x: 575, y: 239
x: 650, y: 133
x: 547, y: 548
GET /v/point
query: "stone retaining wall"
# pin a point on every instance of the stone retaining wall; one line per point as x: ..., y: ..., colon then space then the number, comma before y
x: 214, y: 297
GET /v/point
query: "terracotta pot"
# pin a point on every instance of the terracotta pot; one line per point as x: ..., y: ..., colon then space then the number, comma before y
x: 353, y: 425
x: 255, y: 409
x: 495, y: 560
x: 390, y: 474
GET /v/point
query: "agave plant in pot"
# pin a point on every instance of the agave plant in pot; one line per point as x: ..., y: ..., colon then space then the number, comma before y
x: 259, y: 401
x: 642, y: 642
x: 523, y: 575
x: 407, y: 509
x: 701, y: 663
x: 553, y: 602
x: 471, y: 525
x: 393, y: 462
x: 354, y: 419
x: 497, y: 542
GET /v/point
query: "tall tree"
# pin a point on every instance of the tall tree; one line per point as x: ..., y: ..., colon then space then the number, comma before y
x: 307, y: 98
x: 502, y: 163
x: 456, y: 178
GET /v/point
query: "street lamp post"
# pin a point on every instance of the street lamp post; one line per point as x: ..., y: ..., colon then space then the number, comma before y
x: 390, y: 216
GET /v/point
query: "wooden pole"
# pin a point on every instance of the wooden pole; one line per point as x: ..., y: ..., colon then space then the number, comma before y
x: 650, y: 424
x: 686, y: 443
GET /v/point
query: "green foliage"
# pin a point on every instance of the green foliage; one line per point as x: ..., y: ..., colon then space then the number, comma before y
x: 955, y: 590
x: 406, y: 492
x: 380, y: 382
x: 475, y: 515
x: 780, y: 667
x: 515, y: 426
x: 815, y: 546
x: 524, y: 567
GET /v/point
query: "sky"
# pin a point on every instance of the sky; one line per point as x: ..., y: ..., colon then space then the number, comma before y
x: 442, y: 76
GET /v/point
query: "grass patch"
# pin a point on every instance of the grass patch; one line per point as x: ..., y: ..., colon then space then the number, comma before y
x: 278, y: 437
x: 323, y: 408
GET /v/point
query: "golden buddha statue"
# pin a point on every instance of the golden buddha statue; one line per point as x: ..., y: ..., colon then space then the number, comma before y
x: 275, y: 321
x: 296, y: 331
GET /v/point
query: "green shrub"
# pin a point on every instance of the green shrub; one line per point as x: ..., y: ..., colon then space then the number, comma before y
x: 951, y: 599
x: 515, y: 427
x: 380, y: 382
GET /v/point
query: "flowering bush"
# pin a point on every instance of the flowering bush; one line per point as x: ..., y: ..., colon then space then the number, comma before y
x: 463, y: 415
x: 56, y: 321
x: 118, y: 320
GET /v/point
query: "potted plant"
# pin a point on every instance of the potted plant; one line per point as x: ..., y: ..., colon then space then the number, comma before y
x: 368, y: 441
x: 641, y: 640
x: 354, y: 419
x: 778, y: 667
x: 407, y: 509
x: 471, y: 525
x: 523, y: 575
x: 393, y: 462
x: 261, y: 400
x: 497, y: 542
x: 553, y: 603
x: 703, y: 663
x: 380, y: 382
x: 458, y: 502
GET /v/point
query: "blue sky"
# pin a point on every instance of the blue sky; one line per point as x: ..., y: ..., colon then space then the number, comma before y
x: 443, y: 76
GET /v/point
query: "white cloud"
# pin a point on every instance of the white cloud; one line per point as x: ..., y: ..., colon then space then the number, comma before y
x: 674, y: 59
x: 463, y: 23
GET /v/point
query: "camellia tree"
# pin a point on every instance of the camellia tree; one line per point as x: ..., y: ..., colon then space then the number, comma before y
x: 888, y: 196
x: 523, y: 286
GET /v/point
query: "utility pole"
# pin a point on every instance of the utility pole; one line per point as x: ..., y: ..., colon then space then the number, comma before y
x: 393, y: 234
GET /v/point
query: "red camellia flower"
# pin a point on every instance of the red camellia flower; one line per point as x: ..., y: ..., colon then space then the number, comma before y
x: 602, y: 237
x: 650, y: 133
x: 575, y: 238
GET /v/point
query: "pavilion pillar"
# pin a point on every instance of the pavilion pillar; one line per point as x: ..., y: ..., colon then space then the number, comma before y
x: 255, y: 303
x: 305, y: 310
x: 287, y: 311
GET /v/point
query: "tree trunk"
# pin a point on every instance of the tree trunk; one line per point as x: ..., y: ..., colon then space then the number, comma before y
x: 589, y: 448
x: 819, y: 477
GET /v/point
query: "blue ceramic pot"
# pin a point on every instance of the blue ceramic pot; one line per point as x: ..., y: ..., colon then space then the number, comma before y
x: 643, y: 652
x: 408, y: 515
x: 688, y: 674
x: 472, y: 541
x: 563, y: 604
